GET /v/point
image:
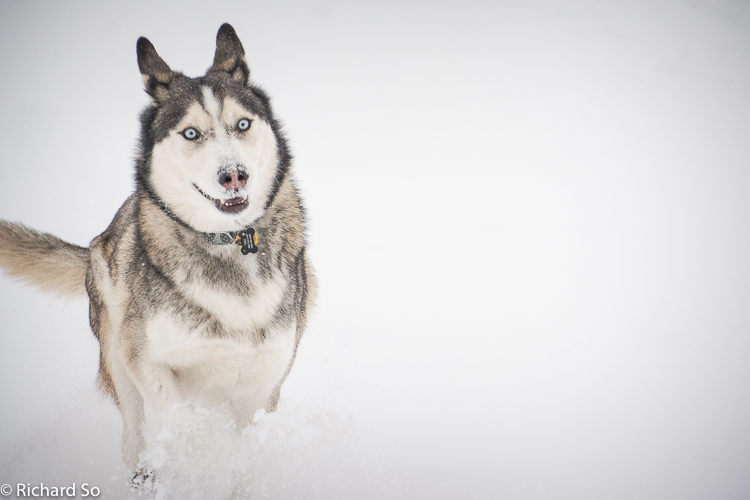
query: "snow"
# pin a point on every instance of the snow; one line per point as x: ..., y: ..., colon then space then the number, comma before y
x: 529, y: 221
x: 199, y: 453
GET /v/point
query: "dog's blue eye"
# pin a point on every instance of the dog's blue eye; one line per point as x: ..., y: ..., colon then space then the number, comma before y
x: 190, y: 134
x: 243, y: 124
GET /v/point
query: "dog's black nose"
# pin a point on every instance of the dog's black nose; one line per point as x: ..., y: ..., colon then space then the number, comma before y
x: 233, y: 178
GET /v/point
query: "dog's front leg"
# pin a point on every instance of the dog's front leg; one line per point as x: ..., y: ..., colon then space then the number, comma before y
x: 143, y: 388
x: 154, y: 392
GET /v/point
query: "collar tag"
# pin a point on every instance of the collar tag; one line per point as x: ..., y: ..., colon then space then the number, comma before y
x: 247, y: 239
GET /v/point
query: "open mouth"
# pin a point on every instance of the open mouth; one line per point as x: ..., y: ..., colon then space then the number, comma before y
x: 230, y: 205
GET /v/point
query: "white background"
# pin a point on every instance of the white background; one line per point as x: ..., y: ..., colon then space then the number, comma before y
x: 529, y: 221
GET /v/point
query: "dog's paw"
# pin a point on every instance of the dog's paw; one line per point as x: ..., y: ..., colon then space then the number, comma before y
x: 143, y: 479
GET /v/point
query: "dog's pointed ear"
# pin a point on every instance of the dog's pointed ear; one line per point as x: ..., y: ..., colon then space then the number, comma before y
x: 155, y: 72
x: 230, y: 56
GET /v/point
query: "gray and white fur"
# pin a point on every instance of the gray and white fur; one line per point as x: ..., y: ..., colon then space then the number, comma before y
x: 178, y: 319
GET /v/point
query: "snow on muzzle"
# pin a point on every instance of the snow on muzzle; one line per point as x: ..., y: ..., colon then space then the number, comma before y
x: 233, y: 179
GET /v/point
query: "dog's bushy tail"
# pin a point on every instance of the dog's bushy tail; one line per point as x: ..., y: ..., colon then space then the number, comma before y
x: 43, y: 260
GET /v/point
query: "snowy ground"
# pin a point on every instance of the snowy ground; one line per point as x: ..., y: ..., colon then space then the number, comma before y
x: 530, y: 221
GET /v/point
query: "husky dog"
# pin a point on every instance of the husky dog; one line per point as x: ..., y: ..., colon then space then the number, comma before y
x: 199, y: 289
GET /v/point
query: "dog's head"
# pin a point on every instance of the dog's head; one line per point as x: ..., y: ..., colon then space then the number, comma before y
x: 211, y: 152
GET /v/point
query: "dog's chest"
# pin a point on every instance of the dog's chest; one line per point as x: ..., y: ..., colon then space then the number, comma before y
x: 227, y: 345
x: 235, y: 310
x: 217, y: 369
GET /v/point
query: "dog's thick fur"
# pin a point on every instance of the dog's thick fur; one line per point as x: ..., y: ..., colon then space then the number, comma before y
x: 179, y: 319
